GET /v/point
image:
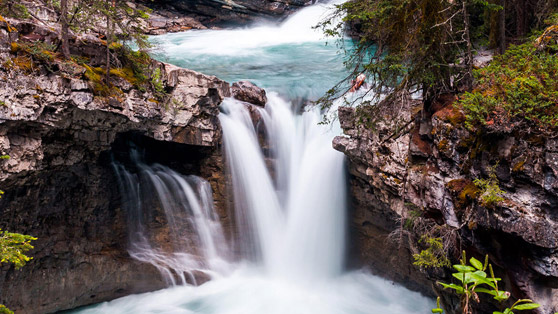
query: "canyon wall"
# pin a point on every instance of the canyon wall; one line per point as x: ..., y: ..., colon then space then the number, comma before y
x: 412, y: 173
x: 59, y: 183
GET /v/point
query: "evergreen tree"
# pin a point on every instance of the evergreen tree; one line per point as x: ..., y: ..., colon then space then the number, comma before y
x: 427, y: 46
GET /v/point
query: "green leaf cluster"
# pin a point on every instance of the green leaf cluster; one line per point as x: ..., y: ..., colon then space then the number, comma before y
x: 433, y: 256
x: 157, y: 82
x: 473, y: 279
x: 517, y: 86
x: 490, y: 193
x: 5, y: 310
x: 13, y: 247
x: 401, y: 42
x: 416, y: 46
x: 13, y: 8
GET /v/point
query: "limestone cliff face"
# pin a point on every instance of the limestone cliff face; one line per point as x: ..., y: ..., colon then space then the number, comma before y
x: 60, y: 186
x: 403, y: 164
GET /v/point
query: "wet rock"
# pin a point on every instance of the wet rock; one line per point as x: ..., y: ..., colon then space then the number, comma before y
x: 164, y: 21
x: 81, y: 99
x: 59, y: 183
x: 217, y: 12
x: 248, y: 92
x: 431, y: 168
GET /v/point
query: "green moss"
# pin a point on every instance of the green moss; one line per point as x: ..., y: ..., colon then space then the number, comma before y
x: 23, y: 63
x: 32, y: 55
x: 457, y: 118
x: 518, y: 167
x: 466, y: 142
x: 464, y: 190
x: 126, y: 73
x: 443, y: 145
x: 479, y: 146
x: 433, y: 256
x: 14, y: 47
x: 517, y: 86
x: 97, y: 80
x: 490, y: 193
x: 469, y: 192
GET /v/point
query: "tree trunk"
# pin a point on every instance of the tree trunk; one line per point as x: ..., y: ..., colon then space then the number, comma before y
x: 64, y: 22
x: 469, y: 54
x: 521, y: 17
x: 108, y: 35
x: 502, y: 31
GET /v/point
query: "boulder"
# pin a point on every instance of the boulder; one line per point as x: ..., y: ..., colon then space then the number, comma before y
x: 249, y: 92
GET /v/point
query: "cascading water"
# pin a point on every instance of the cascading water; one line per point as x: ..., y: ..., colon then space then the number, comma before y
x: 290, y: 202
x: 187, y: 204
x: 298, y: 220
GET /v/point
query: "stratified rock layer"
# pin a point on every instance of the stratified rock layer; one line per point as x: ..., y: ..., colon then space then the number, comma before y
x: 401, y: 164
x: 60, y: 186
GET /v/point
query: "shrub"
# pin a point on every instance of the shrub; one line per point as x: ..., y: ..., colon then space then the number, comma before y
x: 490, y: 193
x: 13, y: 247
x: 473, y: 279
x: 5, y: 310
x: 517, y: 86
x: 433, y: 256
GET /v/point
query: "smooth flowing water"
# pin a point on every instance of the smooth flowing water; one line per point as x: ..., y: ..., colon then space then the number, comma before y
x: 290, y: 196
x: 193, y: 235
x: 292, y: 58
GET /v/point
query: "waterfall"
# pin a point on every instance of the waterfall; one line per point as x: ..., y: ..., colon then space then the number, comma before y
x: 188, y: 237
x: 288, y: 187
x: 295, y: 221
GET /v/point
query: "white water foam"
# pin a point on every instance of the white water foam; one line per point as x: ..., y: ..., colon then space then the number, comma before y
x: 290, y: 204
x: 297, y: 29
x: 299, y: 220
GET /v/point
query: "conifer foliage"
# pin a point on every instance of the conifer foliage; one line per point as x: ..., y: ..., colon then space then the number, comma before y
x: 428, y: 46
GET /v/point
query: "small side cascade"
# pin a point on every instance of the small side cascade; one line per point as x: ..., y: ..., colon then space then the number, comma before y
x: 172, y: 222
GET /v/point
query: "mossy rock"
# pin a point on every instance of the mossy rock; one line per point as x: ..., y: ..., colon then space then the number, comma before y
x: 464, y: 192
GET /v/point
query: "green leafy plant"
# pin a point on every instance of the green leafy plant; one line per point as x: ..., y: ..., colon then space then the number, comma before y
x: 433, y: 256
x: 438, y: 309
x: 473, y: 279
x: 520, y: 305
x: 490, y: 193
x: 157, y: 82
x: 5, y: 310
x: 517, y: 86
x: 411, y: 218
x: 31, y: 54
x: 13, y: 8
x: 13, y: 247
